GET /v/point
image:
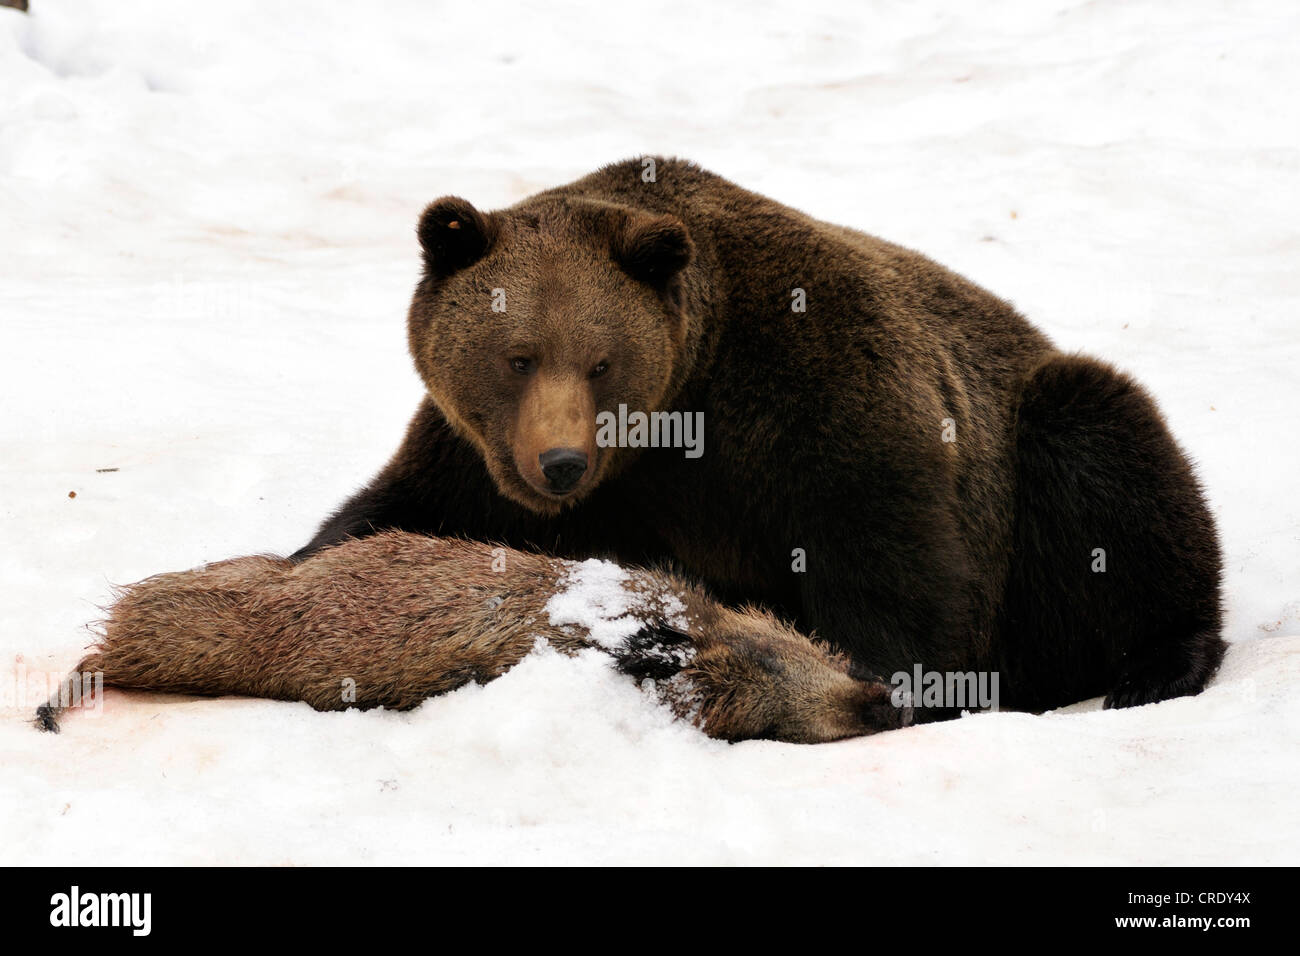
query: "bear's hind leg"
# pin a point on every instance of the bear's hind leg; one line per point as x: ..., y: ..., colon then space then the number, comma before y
x: 1114, y: 584
x: 1186, y: 671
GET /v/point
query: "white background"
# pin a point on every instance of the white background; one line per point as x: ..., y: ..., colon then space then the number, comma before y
x: 208, y: 247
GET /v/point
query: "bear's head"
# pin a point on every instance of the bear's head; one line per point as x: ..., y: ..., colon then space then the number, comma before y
x: 531, y: 321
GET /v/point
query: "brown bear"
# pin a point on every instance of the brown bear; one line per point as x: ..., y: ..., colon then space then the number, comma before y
x: 395, y: 618
x: 891, y: 457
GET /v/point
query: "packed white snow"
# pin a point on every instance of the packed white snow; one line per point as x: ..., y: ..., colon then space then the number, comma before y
x: 611, y: 605
x: 208, y: 248
x: 595, y: 595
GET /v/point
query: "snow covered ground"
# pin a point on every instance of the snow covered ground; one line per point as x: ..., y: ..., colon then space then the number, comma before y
x: 207, y: 222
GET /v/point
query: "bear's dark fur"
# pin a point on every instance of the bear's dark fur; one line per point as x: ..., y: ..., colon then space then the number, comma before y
x: 907, y: 468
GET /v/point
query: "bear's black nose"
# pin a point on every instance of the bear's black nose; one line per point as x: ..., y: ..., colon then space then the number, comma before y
x: 563, y: 468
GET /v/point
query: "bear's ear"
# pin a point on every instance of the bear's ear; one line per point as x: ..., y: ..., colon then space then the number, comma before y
x: 653, y: 249
x: 453, y: 235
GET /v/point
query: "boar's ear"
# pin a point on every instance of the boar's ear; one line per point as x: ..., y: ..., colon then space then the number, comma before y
x: 653, y: 249
x: 453, y: 235
x: 657, y: 651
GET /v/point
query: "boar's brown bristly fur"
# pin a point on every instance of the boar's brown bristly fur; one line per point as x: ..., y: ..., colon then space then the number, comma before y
x: 393, y: 619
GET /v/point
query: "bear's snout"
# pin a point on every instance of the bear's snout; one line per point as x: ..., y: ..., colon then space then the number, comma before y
x: 563, y: 468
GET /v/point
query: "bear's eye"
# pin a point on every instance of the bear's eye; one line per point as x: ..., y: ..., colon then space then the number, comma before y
x: 600, y: 369
x: 522, y: 365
